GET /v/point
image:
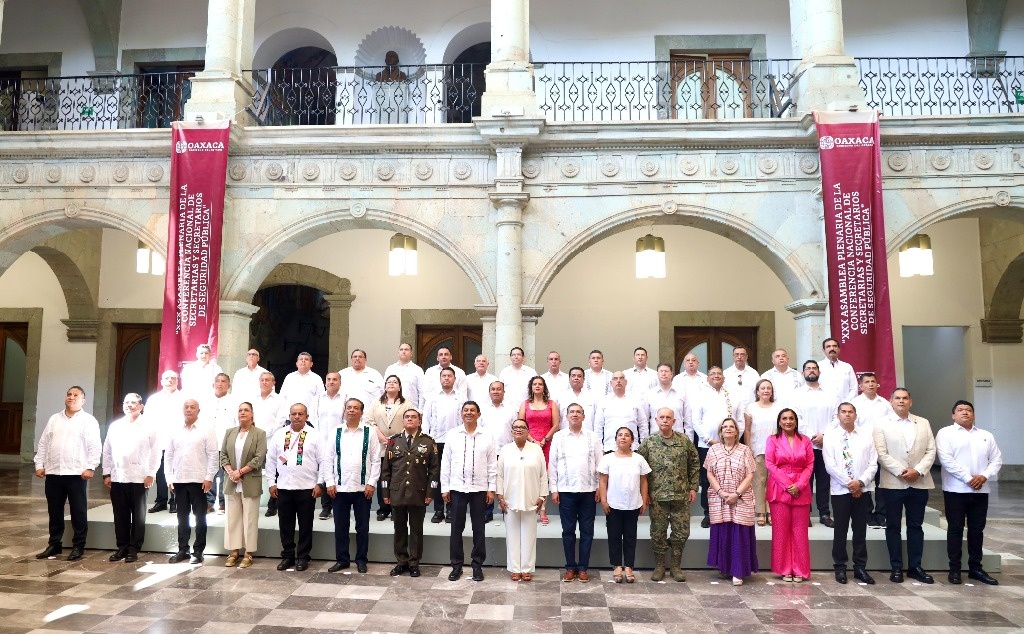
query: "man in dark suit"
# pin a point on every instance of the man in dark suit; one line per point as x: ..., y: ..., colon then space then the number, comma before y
x: 410, y: 472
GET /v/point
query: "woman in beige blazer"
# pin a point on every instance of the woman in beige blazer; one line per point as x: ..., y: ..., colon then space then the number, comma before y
x: 242, y: 455
x: 386, y: 414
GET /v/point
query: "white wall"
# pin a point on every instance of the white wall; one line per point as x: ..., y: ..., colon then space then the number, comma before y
x: 361, y: 256
x: 120, y: 285
x: 597, y: 302
x: 59, y: 28
x: 146, y: 24
x: 30, y: 283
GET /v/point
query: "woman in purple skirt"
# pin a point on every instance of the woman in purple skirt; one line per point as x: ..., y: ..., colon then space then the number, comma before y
x: 730, y: 467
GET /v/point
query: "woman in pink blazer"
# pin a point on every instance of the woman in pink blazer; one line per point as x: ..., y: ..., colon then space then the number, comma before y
x: 790, y: 461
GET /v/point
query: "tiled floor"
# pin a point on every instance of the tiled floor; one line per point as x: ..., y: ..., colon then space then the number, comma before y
x: 96, y: 596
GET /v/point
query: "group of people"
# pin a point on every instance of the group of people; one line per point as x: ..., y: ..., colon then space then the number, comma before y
x: 753, y: 447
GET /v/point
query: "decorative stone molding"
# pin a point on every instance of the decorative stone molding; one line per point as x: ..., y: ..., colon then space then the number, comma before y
x: 808, y: 165
x: 649, y: 166
x: 53, y: 173
x: 462, y: 170
x: 570, y: 168
x: 423, y: 170
x: 274, y: 172
x: 941, y: 162
x: 311, y: 171
x: 385, y: 171
x: 238, y: 171
x: 71, y: 210
x: 1002, y: 198
x: 120, y: 173
x: 531, y: 168
x: 1002, y: 330
x: 87, y: 173
x: 669, y: 207
x: 155, y: 173
x: 984, y: 160
x: 898, y: 161
x: 689, y: 166
x: 768, y: 164
x: 20, y: 174
x: 347, y: 170
x: 729, y: 166
x: 82, y: 330
x: 610, y: 168
x: 358, y: 210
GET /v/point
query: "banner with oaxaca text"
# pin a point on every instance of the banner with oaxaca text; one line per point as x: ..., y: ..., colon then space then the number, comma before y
x: 858, y: 278
x: 199, y: 159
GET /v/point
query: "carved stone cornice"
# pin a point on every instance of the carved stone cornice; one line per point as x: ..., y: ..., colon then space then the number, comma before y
x: 1002, y: 330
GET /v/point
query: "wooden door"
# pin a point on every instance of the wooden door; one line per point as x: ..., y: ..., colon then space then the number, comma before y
x: 465, y: 342
x: 713, y: 345
x: 135, y: 367
x: 13, y: 354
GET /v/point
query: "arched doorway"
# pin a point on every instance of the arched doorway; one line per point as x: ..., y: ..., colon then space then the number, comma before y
x: 291, y: 319
x: 304, y: 80
x: 13, y: 365
x: 468, y: 83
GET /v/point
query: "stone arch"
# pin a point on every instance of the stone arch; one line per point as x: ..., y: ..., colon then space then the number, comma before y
x: 83, y: 312
x: 1009, y: 294
x: 260, y: 261
x: 784, y: 261
x: 303, y: 275
x: 467, y: 37
x: 280, y: 42
x: 999, y: 206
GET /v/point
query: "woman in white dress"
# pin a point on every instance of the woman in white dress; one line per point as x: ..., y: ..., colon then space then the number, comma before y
x: 522, y: 487
x: 760, y: 417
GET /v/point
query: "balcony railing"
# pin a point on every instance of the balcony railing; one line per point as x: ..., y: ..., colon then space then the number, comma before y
x: 922, y: 86
x: 152, y: 100
x: 437, y: 93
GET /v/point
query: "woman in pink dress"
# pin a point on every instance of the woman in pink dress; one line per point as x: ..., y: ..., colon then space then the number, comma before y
x: 790, y: 461
x: 541, y: 415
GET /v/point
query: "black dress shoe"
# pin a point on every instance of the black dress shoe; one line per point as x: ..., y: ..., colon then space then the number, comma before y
x: 172, y: 508
x: 982, y: 576
x: 954, y: 577
x: 826, y: 520
x: 132, y: 556
x: 919, y: 574
x: 841, y: 575
x: 448, y: 517
x: 414, y: 571
x: 455, y: 574
x: 437, y: 517
x: 301, y: 565
x: 881, y: 521
x: 325, y: 514
x: 896, y: 576
x: 860, y: 574
x: 286, y: 563
x: 488, y: 518
x: 197, y: 559
x: 360, y: 567
x: 118, y: 555
x: 381, y: 516
x: 178, y: 557
x: 399, y: 569
x: 51, y: 551
x: 478, y: 573
x: 156, y: 508
x: 76, y: 554
x: 270, y: 513
x: 706, y: 522
x: 337, y: 567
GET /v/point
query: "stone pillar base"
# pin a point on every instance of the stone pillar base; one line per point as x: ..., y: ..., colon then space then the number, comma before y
x: 509, y: 90
x: 220, y: 95
x: 828, y: 83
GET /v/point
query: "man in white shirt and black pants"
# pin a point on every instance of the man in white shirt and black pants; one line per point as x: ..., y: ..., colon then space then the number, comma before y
x: 851, y: 461
x: 352, y: 471
x: 469, y: 473
x: 191, y: 459
x: 296, y: 462
x: 970, y: 458
x: 67, y: 455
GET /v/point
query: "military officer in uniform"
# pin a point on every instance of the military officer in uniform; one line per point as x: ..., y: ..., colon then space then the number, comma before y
x: 410, y: 472
x: 672, y: 485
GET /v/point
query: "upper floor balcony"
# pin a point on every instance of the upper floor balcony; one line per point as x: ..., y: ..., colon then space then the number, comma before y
x: 433, y: 94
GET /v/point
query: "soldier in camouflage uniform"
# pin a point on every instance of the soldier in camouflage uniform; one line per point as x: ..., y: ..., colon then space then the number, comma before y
x: 411, y: 469
x: 673, y: 484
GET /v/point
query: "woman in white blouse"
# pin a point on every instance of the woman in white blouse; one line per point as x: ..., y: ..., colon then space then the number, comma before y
x: 242, y: 455
x: 522, y: 487
x: 624, y: 498
x: 760, y: 417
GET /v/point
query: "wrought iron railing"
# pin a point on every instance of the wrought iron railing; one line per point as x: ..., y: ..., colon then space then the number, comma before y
x: 676, y: 89
x: 436, y: 93
x: 151, y: 100
x: 922, y: 86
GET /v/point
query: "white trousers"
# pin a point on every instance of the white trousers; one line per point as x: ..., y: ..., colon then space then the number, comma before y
x: 521, y: 540
x: 241, y: 522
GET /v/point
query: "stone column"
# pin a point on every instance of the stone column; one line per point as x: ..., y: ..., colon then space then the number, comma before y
x: 510, y: 74
x: 1, y: 15
x: 827, y: 79
x: 220, y: 91
x: 233, y: 338
x: 487, y: 315
x: 811, y: 317
x: 341, y: 308
x: 531, y: 315
x: 508, y: 270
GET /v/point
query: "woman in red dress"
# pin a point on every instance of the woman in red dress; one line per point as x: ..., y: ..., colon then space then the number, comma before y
x: 541, y: 415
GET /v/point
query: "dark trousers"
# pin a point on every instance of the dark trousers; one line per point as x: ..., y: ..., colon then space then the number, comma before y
x: 191, y: 500
x: 292, y: 505
x: 822, y: 483
x: 409, y: 533
x: 381, y: 506
x: 345, y: 503
x: 129, y: 502
x: 573, y: 508
x: 972, y: 509
x: 71, y: 489
x: 702, y: 454
x: 622, y: 536
x: 163, y: 495
x: 475, y: 502
x: 216, y: 492
x: 915, y: 501
x: 436, y: 494
x: 326, y: 502
x: 879, y: 500
x: 847, y: 509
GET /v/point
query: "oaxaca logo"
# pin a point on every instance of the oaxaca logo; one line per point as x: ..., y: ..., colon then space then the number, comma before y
x: 829, y: 142
x: 180, y: 147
